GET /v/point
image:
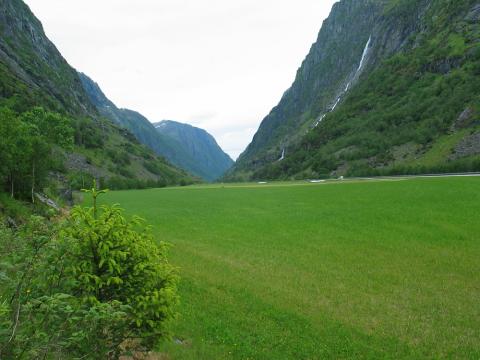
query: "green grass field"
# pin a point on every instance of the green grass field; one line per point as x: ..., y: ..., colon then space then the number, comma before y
x: 372, y: 269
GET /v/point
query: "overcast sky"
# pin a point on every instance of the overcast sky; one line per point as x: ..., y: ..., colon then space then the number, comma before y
x: 217, y: 64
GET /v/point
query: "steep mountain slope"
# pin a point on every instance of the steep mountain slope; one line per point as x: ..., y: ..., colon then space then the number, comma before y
x: 200, y: 145
x: 31, y: 68
x: 171, y: 144
x: 34, y: 73
x: 379, y: 92
x: 143, y: 130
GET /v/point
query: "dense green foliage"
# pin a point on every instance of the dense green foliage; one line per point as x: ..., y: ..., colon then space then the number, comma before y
x: 342, y: 270
x: 94, y: 286
x: 26, y: 150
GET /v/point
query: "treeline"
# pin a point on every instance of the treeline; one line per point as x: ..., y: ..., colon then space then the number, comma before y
x: 117, y: 183
x: 458, y: 166
x: 27, y: 148
x: 79, y: 180
x: 288, y: 171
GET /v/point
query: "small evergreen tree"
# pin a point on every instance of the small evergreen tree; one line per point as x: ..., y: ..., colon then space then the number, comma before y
x: 93, y: 287
x: 115, y: 260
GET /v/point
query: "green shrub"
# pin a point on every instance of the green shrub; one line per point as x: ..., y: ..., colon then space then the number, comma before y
x: 93, y: 287
x: 88, y: 134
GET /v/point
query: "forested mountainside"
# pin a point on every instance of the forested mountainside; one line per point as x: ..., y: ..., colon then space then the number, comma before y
x: 201, y: 147
x: 390, y: 87
x: 183, y: 151
x: 34, y: 74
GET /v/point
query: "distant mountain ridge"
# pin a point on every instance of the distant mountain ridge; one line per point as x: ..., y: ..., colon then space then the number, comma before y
x: 189, y: 148
x: 200, y: 145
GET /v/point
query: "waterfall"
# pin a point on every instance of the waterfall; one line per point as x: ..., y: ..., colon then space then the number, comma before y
x: 360, y: 66
x: 364, y: 55
x: 283, y: 155
x: 336, y: 103
x: 319, y: 120
x: 347, y: 87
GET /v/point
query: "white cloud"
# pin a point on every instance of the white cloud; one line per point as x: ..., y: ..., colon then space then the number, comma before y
x: 219, y: 64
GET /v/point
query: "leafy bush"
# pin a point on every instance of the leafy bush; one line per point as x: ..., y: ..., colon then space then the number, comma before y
x: 120, y: 158
x: 95, y: 286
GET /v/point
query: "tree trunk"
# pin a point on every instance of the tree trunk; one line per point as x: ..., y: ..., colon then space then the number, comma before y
x: 33, y: 183
x: 11, y: 184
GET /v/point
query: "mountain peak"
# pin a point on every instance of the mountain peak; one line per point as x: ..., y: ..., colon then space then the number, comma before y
x: 199, y: 144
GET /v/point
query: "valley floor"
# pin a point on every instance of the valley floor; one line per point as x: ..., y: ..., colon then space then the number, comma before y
x: 353, y: 269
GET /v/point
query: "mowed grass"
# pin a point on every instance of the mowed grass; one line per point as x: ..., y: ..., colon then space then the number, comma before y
x: 381, y: 269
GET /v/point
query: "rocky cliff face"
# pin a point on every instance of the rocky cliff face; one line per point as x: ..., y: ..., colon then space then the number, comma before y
x: 200, y: 145
x: 357, y: 40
